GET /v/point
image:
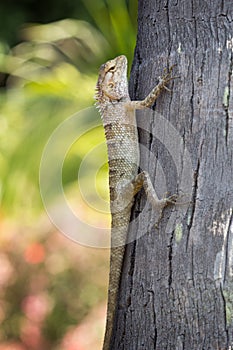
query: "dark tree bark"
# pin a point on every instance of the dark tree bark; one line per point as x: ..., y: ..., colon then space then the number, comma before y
x: 177, y: 283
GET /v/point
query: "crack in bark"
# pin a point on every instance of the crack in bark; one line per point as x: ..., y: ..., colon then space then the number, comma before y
x: 227, y: 246
x: 121, y: 340
x: 193, y: 200
x: 131, y: 271
x: 192, y: 105
x: 166, y: 7
x: 224, y: 310
x: 154, y: 316
x: 226, y: 103
x: 136, y: 81
x: 216, y: 145
x: 170, y: 246
x: 222, y: 5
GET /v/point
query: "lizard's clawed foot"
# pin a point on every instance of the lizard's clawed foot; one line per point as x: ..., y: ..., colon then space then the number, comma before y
x: 173, y: 199
x: 166, y: 88
x: 167, y: 77
x: 169, y: 199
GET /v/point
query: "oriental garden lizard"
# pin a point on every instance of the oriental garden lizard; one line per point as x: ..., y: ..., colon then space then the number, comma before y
x: 118, y: 116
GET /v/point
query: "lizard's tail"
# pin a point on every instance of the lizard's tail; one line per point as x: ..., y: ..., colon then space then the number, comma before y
x: 116, y: 260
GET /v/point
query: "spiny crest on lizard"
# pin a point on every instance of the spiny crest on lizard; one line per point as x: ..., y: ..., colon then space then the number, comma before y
x: 112, y: 84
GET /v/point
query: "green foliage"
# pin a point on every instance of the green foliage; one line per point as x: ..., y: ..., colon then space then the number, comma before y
x: 117, y: 22
x: 52, y: 75
x: 14, y: 13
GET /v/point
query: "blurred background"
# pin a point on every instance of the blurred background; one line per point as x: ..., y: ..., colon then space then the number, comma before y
x: 53, y: 291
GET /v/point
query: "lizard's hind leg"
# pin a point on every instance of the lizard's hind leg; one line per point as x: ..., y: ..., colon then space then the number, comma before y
x: 143, y: 180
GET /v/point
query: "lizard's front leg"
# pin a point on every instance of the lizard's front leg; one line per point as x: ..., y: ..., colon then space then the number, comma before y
x: 155, y: 92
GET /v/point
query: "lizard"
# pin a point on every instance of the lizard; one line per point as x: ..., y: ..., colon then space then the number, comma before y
x: 117, y: 111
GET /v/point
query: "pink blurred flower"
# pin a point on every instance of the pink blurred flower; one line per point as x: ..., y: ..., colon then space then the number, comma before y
x: 75, y: 339
x: 89, y: 334
x: 31, y: 336
x: 36, y: 307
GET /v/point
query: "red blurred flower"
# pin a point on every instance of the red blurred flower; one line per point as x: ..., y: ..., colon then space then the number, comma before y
x: 34, y: 253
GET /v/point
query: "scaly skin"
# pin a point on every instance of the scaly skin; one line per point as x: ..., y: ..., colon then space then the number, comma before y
x: 118, y: 116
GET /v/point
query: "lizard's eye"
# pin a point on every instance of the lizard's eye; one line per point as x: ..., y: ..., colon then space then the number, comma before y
x: 112, y: 69
x: 110, y: 85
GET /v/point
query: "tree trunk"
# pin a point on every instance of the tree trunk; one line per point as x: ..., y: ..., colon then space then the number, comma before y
x: 177, y: 283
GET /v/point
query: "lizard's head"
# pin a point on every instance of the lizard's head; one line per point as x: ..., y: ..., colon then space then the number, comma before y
x: 112, y: 82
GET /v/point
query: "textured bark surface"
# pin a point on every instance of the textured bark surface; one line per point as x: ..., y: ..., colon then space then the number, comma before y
x: 177, y: 283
